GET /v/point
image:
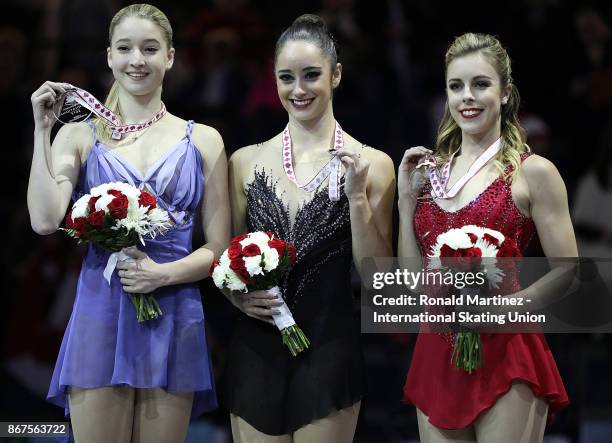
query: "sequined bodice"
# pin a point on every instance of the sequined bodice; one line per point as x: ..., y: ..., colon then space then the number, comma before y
x: 494, y: 208
x: 320, y: 232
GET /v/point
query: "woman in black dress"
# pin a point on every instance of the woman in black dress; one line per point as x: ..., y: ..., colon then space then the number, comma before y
x: 284, y: 185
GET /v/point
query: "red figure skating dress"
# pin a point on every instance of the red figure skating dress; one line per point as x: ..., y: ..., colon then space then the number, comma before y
x: 451, y: 397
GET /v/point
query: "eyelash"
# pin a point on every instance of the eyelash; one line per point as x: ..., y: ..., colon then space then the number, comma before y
x: 286, y: 78
x: 478, y: 84
x: 149, y: 49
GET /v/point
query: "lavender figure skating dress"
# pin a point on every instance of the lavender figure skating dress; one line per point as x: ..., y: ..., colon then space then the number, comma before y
x: 104, y: 345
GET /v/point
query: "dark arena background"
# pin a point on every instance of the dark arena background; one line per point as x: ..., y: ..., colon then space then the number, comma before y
x: 391, y: 96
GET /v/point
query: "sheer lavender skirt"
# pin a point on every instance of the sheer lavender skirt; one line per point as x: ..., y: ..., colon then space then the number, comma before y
x: 104, y: 345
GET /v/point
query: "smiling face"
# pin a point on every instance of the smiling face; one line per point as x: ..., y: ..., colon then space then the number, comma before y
x: 304, y: 80
x: 139, y: 55
x: 475, y: 95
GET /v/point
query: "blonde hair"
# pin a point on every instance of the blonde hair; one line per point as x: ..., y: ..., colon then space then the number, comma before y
x: 140, y: 10
x: 513, y: 136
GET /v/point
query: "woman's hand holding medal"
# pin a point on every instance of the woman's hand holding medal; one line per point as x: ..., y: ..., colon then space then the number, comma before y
x: 45, y: 100
x: 356, y: 175
x: 411, y: 174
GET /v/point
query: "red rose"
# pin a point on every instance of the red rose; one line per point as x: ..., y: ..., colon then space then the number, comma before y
x: 68, y: 221
x: 473, y: 237
x: 238, y: 238
x: 213, y: 265
x: 78, y: 224
x: 239, y: 268
x: 279, y: 245
x: 292, y: 253
x: 118, y: 207
x: 115, y: 192
x: 447, y: 251
x: 234, y: 251
x: 96, y: 219
x: 147, y: 199
x: 91, y: 204
x: 251, y: 250
x: 462, y: 259
x: 491, y: 240
x: 509, y: 249
x: 470, y: 258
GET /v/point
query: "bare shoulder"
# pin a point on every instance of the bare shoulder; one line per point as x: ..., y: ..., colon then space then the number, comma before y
x: 248, y: 155
x: 544, y: 182
x: 539, y: 170
x: 379, y: 157
x: 78, y: 131
x: 380, y: 162
x: 208, y: 140
x: 74, y: 138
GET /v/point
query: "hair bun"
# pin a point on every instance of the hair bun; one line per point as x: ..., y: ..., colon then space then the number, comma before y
x: 309, y: 19
x: 310, y: 28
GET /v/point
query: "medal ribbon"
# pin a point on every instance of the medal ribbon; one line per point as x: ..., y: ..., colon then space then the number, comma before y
x: 439, y: 180
x: 88, y: 101
x: 331, y: 168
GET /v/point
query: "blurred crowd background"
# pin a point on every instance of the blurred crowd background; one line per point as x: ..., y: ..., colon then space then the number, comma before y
x: 391, y: 97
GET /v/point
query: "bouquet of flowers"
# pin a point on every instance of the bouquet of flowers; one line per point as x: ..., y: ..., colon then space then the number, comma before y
x: 461, y: 250
x: 258, y: 261
x: 116, y: 216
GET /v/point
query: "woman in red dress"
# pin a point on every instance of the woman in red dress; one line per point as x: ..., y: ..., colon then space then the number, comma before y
x: 508, y: 398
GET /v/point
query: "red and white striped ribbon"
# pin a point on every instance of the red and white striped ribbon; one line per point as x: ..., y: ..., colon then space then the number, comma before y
x: 87, y: 100
x: 331, y: 168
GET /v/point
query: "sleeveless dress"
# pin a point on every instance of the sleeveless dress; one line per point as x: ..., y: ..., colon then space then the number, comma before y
x: 450, y: 397
x: 270, y: 389
x: 104, y: 345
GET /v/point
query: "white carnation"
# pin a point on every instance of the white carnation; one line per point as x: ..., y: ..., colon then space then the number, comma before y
x: 253, y: 265
x: 131, y: 192
x: 271, y: 258
x: 454, y: 238
x: 79, y: 209
x: 233, y: 282
x: 102, y: 189
x: 259, y: 238
x: 103, y: 201
x: 218, y: 276
x: 224, y: 260
x: 473, y: 229
x: 498, y: 235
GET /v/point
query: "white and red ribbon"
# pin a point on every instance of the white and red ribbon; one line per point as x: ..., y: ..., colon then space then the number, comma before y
x: 439, y: 179
x: 331, y: 168
x: 87, y: 100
